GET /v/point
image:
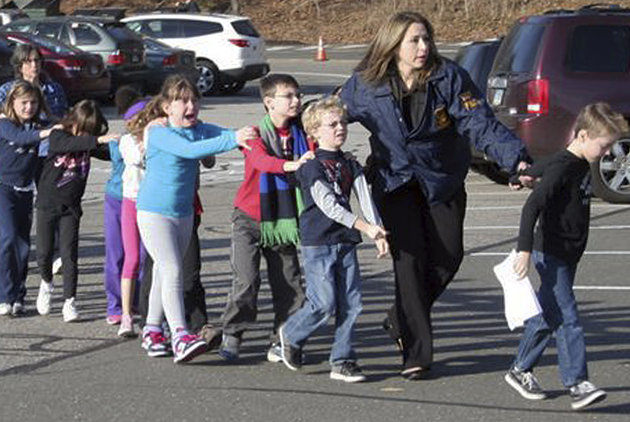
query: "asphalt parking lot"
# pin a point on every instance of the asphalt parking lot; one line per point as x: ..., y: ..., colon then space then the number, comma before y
x: 83, y: 372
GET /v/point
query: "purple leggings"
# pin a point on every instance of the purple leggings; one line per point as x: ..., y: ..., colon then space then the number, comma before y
x: 114, y: 254
x: 130, y: 239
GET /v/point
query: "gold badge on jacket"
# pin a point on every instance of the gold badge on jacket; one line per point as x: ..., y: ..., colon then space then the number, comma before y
x: 468, y: 101
x: 442, y: 121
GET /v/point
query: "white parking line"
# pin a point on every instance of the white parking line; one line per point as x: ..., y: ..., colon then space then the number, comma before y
x: 350, y: 46
x: 592, y: 253
x: 619, y: 227
x: 518, y: 207
x: 330, y: 75
x: 280, y: 47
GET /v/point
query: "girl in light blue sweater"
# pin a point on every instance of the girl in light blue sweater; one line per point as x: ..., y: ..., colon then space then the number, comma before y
x: 173, y: 148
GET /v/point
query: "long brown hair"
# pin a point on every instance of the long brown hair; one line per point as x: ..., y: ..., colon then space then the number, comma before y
x: 19, y: 89
x: 85, y: 117
x: 380, y: 58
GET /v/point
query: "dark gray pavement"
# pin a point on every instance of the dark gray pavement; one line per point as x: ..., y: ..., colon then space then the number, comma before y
x: 51, y: 371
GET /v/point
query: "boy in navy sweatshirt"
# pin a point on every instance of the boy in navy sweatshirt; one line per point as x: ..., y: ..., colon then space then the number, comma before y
x: 330, y: 232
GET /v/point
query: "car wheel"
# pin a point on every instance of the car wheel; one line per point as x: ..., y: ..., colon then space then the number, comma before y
x: 208, y: 81
x: 611, y: 174
x: 492, y: 171
x: 232, y: 87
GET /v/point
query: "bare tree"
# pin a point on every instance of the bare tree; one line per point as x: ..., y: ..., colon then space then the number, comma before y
x: 234, y: 7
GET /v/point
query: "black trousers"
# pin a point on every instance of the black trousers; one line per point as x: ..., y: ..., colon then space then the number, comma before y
x: 62, y: 221
x: 427, y: 249
x: 194, y: 293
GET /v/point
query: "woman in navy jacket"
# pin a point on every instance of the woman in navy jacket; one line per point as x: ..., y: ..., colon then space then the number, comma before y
x: 422, y: 112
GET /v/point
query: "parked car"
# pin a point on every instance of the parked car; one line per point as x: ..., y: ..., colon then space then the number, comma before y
x: 6, y: 70
x: 477, y: 58
x: 549, y: 66
x: 229, y: 50
x: 122, y: 51
x: 81, y: 74
x: 164, y: 61
x: 10, y: 15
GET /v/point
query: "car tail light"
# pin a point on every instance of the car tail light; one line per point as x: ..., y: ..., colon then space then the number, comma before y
x: 538, y: 96
x: 239, y: 42
x: 71, y: 64
x: 116, y: 58
x: 169, y: 60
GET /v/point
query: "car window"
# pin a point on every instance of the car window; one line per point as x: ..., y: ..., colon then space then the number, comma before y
x: 48, y: 29
x: 158, y: 28
x: 600, y: 48
x: 246, y: 28
x: 65, y: 35
x: 84, y: 34
x: 199, y: 28
x: 19, y: 27
x: 519, y: 49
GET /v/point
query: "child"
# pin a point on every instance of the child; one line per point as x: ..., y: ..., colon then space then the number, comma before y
x: 264, y: 221
x: 330, y: 233
x: 128, y: 102
x: 561, y: 203
x: 19, y: 141
x: 132, y: 151
x: 165, y: 208
x: 59, y: 192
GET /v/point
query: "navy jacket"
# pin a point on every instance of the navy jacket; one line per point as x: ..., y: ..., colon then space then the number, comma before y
x: 437, y: 152
x: 18, y: 153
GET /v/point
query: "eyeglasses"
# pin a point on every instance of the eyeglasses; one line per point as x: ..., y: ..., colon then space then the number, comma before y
x: 290, y: 96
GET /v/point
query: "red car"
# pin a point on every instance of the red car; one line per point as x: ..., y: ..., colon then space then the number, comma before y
x: 550, y: 66
x: 82, y: 75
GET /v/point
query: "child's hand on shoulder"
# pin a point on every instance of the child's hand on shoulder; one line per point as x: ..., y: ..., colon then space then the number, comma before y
x: 521, y: 263
x: 308, y: 155
x: 114, y: 137
x: 244, y: 134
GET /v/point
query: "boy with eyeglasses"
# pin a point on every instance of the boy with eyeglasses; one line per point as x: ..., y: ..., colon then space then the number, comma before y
x: 264, y: 221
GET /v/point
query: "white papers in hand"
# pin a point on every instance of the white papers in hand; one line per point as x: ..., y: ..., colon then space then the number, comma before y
x: 520, y: 299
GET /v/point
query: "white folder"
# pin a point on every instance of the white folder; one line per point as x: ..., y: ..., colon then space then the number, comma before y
x: 520, y: 299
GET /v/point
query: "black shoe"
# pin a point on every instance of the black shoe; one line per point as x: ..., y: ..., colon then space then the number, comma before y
x: 211, y: 335
x: 347, y: 372
x: 291, y: 356
x: 526, y: 384
x: 393, y: 333
x: 585, y: 394
x: 414, y: 374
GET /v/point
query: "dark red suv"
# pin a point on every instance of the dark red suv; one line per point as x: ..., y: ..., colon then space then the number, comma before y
x: 549, y: 66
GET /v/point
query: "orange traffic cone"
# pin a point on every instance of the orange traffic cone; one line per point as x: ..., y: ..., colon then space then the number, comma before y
x: 321, y: 51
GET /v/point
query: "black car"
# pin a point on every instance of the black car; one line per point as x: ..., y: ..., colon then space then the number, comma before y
x: 6, y: 70
x: 477, y: 59
x: 122, y: 50
x: 164, y: 61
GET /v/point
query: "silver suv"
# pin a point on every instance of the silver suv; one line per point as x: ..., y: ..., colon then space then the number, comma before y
x: 228, y: 48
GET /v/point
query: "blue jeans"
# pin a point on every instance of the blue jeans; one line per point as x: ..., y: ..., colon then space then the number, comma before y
x: 16, y: 215
x: 560, y: 315
x: 333, y: 286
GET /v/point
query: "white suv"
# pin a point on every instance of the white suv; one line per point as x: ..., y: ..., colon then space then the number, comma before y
x: 229, y: 50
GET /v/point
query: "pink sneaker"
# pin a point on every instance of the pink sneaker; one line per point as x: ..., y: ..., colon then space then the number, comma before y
x: 186, y: 347
x: 155, y: 343
x: 113, y: 319
x: 126, y: 327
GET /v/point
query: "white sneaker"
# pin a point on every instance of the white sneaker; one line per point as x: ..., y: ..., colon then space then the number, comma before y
x: 18, y: 309
x: 69, y: 311
x: 44, y: 297
x: 57, y: 266
x: 5, y: 309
